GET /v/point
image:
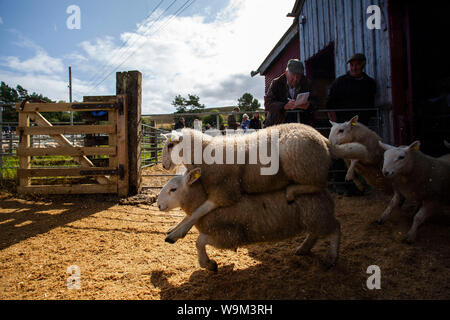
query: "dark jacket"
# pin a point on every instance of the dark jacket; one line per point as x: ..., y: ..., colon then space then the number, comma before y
x: 278, y: 95
x: 255, y: 123
x: 232, y: 122
x: 179, y: 125
x: 347, y: 92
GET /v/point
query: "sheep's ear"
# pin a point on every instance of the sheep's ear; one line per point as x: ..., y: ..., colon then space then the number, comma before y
x: 175, y: 136
x: 333, y: 123
x: 384, y: 145
x: 354, y: 121
x: 414, y: 146
x: 193, y: 175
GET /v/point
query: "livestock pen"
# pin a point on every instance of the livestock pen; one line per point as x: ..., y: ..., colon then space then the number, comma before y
x: 117, y: 249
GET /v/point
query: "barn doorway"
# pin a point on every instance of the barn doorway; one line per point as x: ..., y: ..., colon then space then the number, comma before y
x: 320, y: 69
x: 420, y: 74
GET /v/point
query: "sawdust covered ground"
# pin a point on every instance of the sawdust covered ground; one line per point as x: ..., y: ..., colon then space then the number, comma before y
x: 121, y: 254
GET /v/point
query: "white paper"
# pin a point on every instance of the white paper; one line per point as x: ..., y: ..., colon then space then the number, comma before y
x: 302, y: 98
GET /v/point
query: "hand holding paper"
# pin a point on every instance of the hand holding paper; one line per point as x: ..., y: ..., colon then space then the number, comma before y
x: 302, y: 100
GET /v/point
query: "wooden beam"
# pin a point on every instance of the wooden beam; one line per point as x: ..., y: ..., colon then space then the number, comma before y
x: 65, y: 189
x: 54, y: 130
x: 122, y: 150
x: 130, y: 84
x: 65, y: 172
x: 75, y: 106
x: 67, y: 151
x: 24, y: 142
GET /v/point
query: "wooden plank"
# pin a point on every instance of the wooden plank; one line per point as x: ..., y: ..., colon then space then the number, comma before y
x: 75, y: 106
x: 66, y: 151
x: 122, y: 151
x: 88, y: 129
x: 62, y: 141
x: 63, y: 172
x: 99, y: 98
x: 66, y: 189
x: 24, y: 142
x: 130, y: 84
x: 112, y: 141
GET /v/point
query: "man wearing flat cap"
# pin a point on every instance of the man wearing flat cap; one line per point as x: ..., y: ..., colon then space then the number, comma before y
x: 283, y: 92
x: 355, y: 89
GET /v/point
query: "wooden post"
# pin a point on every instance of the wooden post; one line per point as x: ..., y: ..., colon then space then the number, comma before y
x: 130, y: 84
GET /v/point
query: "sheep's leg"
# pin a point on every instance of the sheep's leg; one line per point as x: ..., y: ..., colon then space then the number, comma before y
x: 203, y: 258
x: 294, y: 190
x: 177, y: 225
x: 351, y: 170
x: 335, y: 241
x: 423, y: 214
x: 181, y: 230
x: 396, y: 201
x: 307, y: 244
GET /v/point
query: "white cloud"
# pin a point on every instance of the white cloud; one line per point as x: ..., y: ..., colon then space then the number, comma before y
x: 41, y: 62
x: 193, y: 54
x: 182, y: 55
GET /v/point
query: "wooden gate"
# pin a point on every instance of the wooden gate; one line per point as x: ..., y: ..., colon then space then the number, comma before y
x: 110, y: 179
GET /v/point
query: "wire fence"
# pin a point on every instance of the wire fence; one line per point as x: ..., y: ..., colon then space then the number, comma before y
x: 152, y: 143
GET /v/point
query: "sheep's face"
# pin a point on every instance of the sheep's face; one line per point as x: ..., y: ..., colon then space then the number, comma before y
x: 170, y: 195
x: 342, y: 132
x: 177, y: 190
x: 172, y: 139
x: 397, y: 160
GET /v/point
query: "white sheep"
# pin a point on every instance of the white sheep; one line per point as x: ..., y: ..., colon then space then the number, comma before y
x: 368, y: 164
x: 255, y: 218
x: 302, y: 153
x: 416, y: 177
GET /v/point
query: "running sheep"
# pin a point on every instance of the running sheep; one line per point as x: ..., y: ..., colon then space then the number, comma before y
x: 368, y: 164
x: 299, y: 159
x: 255, y: 218
x: 416, y: 177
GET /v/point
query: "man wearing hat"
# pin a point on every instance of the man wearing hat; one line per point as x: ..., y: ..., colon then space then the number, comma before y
x: 282, y: 94
x: 232, y: 121
x: 355, y: 89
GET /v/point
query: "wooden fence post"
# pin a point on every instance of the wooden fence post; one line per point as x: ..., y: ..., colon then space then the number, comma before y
x: 130, y: 84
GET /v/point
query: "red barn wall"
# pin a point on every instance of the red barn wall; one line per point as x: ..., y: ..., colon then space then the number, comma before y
x: 292, y: 51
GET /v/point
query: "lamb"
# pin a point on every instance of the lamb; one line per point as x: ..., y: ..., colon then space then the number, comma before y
x: 255, y: 218
x: 416, y: 177
x: 369, y: 164
x: 301, y: 154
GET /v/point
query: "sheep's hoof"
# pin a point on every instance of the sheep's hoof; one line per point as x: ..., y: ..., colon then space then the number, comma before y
x: 290, y: 196
x: 302, y: 252
x: 330, y: 261
x: 379, y: 221
x: 409, y: 239
x: 170, y: 240
x: 211, y: 265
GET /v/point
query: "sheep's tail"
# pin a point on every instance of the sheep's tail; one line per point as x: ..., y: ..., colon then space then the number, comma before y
x: 352, y: 150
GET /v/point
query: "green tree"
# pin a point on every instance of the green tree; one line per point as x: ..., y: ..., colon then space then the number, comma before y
x: 190, y: 105
x: 9, y: 95
x: 248, y: 103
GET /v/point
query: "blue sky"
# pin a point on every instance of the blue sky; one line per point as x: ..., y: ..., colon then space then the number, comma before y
x: 209, y: 49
